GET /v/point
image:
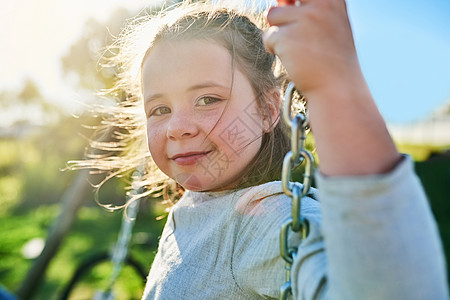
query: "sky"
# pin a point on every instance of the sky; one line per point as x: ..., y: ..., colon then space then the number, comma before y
x: 403, y: 46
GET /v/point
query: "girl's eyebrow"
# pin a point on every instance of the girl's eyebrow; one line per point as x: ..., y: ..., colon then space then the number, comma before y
x: 152, y: 97
x: 206, y: 84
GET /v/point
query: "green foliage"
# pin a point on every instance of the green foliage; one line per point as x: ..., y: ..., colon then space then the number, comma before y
x: 129, y: 285
x: 30, y: 92
x: 30, y: 170
x: 90, y: 50
x: 16, y: 230
x: 10, y: 193
x: 435, y: 176
x: 421, y: 152
x: 25, y: 108
x: 95, y: 231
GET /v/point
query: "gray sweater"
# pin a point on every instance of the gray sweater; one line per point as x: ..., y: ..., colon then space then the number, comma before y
x: 377, y: 240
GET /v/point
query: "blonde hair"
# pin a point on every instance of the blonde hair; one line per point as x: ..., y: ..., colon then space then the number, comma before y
x: 240, y: 32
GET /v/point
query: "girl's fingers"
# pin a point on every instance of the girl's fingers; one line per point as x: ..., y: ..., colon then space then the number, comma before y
x: 278, y: 16
x: 269, y: 37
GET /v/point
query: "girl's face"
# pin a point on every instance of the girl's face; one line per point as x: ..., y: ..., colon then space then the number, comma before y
x: 203, y: 123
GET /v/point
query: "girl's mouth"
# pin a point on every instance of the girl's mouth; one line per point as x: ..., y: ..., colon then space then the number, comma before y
x: 189, y: 158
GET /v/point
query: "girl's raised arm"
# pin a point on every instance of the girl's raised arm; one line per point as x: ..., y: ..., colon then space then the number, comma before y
x: 315, y: 44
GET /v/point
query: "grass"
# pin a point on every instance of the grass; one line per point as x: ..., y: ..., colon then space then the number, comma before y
x: 95, y: 230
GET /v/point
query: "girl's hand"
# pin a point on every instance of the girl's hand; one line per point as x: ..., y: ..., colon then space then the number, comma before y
x: 314, y: 42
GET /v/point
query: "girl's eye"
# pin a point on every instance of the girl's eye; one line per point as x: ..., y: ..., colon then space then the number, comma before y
x: 207, y: 100
x: 159, y: 111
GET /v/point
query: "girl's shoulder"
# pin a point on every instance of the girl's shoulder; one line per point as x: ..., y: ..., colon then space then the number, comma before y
x: 270, y: 196
x: 266, y: 205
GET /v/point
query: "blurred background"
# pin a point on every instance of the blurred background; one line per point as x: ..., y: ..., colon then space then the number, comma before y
x: 49, y: 74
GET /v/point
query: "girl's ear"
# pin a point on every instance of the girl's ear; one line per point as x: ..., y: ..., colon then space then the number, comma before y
x: 271, y: 119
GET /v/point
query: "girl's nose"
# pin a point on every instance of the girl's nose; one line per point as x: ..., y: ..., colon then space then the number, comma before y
x: 181, y: 126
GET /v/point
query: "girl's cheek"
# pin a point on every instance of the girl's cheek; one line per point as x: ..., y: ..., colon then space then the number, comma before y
x: 154, y: 135
x: 156, y: 151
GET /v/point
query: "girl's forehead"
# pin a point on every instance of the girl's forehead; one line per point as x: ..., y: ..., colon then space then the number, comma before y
x: 192, y: 53
x: 180, y: 43
x: 186, y: 62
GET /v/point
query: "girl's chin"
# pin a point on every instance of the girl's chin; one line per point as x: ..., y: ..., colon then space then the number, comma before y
x: 190, y: 182
x: 194, y: 183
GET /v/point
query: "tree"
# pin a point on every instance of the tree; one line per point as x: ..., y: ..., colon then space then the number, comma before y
x: 82, y: 59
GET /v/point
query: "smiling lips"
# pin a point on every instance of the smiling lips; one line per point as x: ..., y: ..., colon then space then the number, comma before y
x: 189, y: 158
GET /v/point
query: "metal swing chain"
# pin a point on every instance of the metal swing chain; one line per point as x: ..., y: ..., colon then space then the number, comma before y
x: 295, y: 190
x: 120, y: 251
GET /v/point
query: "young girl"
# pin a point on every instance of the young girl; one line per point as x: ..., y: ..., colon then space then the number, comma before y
x: 210, y: 85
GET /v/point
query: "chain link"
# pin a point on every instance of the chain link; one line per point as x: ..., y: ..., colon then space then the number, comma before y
x: 295, y: 190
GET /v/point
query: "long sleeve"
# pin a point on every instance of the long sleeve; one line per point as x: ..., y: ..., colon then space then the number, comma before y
x: 381, y: 239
